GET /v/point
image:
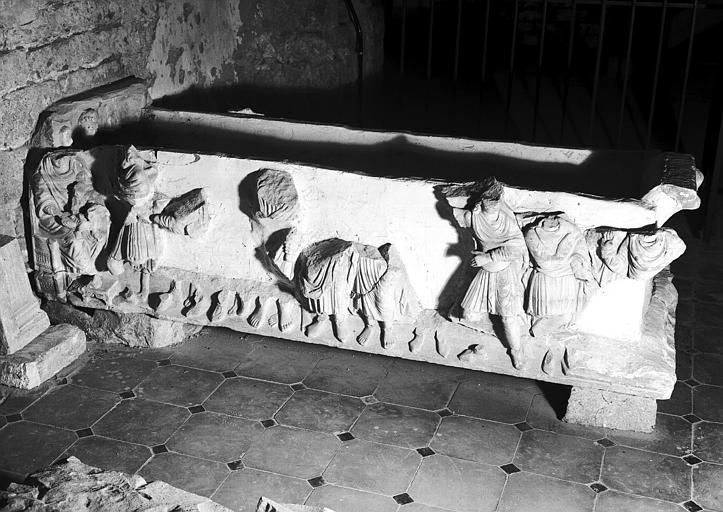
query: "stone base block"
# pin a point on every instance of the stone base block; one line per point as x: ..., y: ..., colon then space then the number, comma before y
x: 139, y: 330
x: 131, y: 329
x: 598, y: 408
x: 43, y: 357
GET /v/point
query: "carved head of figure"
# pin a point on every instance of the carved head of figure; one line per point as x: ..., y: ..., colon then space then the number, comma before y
x: 88, y: 121
x: 490, y: 195
x: 137, y: 178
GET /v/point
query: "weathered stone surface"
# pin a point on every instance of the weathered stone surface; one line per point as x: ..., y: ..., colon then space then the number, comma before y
x: 131, y: 329
x: 42, y: 358
x: 598, y: 408
x: 21, y: 318
x: 228, y: 276
x: 265, y: 44
x: 119, y: 103
x: 22, y: 107
x: 76, y: 487
x: 139, y: 330
x: 11, y: 177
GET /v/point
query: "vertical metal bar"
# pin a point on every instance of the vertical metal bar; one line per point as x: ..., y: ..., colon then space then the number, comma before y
x: 540, y: 57
x: 686, y: 75
x: 456, y: 45
x: 626, y: 73
x: 403, y: 46
x: 656, y: 75
x: 568, y: 73
x: 711, y: 217
x: 712, y: 158
x: 484, y: 41
x: 598, y: 60
x: 429, y: 39
x: 511, y: 70
x: 485, y: 38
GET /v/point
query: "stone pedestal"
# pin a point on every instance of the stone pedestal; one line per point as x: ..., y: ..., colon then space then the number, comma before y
x: 21, y: 318
x: 43, y: 357
x: 598, y: 408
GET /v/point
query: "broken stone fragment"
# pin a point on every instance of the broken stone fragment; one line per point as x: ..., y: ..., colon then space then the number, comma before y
x: 72, y: 486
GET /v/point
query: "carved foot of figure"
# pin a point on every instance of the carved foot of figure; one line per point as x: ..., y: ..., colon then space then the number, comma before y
x: 168, y: 299
x: 364, y: 336
x: 200, y: 306
x: 473, y: 354
x: 317, y: 326
x: 519, y: 361
x: 416, y: 344
x: 341, y: 329
x: 286, y: 315
x: 223, y: 305
x: 263, y: 308
x: 387, y: 339
x: 443, y: 347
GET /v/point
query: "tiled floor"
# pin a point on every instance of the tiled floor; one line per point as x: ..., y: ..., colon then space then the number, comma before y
x: 234, y: 417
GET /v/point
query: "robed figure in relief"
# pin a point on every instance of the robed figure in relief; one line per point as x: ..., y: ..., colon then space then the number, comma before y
x: 501, y: 258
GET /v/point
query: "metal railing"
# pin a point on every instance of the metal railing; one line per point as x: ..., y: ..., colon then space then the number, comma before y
x: 645, y: 72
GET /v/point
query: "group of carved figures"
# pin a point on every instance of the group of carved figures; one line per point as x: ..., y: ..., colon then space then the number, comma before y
x: 535, y: 271
x: 82, y: 232
x: 539, y: 270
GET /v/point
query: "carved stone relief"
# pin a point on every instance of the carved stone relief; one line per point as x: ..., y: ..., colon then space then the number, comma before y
x: 69, y: 219
x: 89, y: 228
x: 636, y: 255
x: 336, y: 277
x: 501, y: 258
x: 265, y: 255
x: 561, y: 277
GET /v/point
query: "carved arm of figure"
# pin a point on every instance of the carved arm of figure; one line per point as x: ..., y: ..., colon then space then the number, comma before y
x: 614, y: 251
x: 509, y: 252
x: 463, y: 217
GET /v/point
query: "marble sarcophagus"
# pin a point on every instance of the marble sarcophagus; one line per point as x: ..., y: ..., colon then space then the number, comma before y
x: 546, y: 284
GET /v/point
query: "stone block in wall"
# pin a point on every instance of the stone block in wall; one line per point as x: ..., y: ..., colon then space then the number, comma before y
x: 7, y: 222
x: 11, y: 177
x: 33, y: 23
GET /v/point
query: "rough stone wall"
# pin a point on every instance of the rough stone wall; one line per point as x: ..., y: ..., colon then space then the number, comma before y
x: 52, y: 49
x: 268, y: 43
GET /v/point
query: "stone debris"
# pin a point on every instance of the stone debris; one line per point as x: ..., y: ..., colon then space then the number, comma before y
x: 76, y: 487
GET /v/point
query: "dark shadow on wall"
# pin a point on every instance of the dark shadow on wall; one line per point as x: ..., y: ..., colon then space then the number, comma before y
x: 339, y: 105
x: 606, y: 173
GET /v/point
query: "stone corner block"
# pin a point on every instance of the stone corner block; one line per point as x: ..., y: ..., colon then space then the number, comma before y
x: 43, y: 357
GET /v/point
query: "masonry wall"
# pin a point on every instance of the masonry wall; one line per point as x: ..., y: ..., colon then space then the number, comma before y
x: 52, y: 49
